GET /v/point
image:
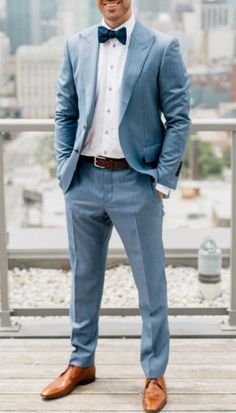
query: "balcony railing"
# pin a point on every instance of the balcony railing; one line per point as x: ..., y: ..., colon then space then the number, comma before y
x: 29, y: 125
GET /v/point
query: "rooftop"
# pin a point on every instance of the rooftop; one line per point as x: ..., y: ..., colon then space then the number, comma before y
x: 200, y: 376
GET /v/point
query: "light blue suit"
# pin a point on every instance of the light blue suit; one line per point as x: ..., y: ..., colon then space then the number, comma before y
x: 155, y: 81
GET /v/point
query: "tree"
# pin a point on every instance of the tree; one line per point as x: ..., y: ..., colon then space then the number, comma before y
x: 201, y: 161
x: 45, y: 153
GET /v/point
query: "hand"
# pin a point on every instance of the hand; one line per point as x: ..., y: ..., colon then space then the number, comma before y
x: 160, y: 194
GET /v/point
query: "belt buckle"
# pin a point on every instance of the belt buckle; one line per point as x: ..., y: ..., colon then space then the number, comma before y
x: 95, y: 161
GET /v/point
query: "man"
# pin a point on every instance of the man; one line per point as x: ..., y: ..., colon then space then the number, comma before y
x: 116, y: 160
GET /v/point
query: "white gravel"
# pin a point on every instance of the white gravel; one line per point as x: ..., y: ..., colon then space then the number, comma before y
x: 37, y: 287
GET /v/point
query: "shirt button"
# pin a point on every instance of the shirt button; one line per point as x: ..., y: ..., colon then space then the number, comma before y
x: 110, y: 88
x: 105, y: 152
x: 108, y: 110
x: 111, y: 67
x: 106, y: 132
x: 114, y: 45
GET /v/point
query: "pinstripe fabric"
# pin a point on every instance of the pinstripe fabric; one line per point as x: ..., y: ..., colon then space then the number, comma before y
x: 154, y: 82
x: 97, y: 200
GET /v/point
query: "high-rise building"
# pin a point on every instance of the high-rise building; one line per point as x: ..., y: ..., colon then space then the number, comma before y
x: 18, y: 23
x: 2, y: 14
x: 232, y: 4
x: 48, y: 9
x: 2, y: 7
x: 30, y: 21
x: 48, y: 19
x: 215, y: 14
x: 76, y: 15
x: 209, y: 25
x: 154, y: 13
x: 36, y: 74
x: 153, y: 6
x: 4, y: 59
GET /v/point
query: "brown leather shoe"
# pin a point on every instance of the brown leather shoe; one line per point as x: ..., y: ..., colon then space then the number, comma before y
x: 154, y: 394
x: 68, y: 380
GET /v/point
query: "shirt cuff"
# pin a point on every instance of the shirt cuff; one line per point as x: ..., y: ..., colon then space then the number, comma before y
x: 162, y: 188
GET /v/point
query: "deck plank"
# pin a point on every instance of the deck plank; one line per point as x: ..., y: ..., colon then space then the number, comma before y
x: 120, y: 371
x: 114, y: 344
x: 124, y: 386
x: 200, y: 376
x: 118, y: 403
x: 55, y: 358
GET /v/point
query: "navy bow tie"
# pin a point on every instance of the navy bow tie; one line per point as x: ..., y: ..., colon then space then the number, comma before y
x: 105, y: 34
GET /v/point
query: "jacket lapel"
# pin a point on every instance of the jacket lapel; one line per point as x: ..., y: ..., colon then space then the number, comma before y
x: 140, y: 44
x: 89, y: 66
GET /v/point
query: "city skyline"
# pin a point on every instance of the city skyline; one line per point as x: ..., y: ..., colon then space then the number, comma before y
x: 205, y: 30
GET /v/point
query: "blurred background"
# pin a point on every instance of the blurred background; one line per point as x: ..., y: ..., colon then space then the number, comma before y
x: 32, y: 34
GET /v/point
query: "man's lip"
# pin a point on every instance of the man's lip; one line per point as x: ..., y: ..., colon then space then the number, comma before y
x: 111, y: 3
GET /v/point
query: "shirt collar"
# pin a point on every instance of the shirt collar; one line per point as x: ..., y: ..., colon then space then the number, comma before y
x: 129, y: 24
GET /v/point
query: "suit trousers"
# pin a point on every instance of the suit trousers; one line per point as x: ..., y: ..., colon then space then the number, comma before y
x: 96, y: 200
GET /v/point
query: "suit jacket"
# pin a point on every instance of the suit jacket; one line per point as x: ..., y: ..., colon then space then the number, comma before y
x: 155, y: 83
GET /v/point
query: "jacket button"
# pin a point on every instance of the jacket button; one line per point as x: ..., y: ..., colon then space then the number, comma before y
x: 76, y: 150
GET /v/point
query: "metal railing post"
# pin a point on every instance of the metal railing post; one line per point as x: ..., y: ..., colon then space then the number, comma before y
x: 4, y: 292
x: 232, y: 307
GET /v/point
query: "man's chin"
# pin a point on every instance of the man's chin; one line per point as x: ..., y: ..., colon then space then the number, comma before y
x: 112, y: 16
x: 115, y: 12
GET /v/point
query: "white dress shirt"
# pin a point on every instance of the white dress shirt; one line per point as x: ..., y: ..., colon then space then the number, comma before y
x: 103, y: 138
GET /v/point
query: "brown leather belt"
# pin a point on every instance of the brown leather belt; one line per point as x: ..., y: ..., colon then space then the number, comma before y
x: 108, y: 163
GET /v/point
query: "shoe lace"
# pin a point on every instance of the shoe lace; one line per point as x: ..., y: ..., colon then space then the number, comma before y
x: 155, y: 379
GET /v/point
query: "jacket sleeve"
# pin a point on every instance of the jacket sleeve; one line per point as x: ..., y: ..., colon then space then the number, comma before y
x: 163, y: 188
x: 175, y: 105
x: 67, y: 111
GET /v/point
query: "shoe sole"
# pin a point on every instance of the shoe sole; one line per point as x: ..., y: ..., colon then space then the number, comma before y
x: 81, y: 383
x: 157, y: 410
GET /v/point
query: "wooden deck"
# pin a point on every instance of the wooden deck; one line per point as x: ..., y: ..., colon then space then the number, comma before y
x: 201, y: 376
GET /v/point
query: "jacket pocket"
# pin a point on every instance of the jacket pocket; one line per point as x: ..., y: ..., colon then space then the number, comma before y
x: 152, y: 152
